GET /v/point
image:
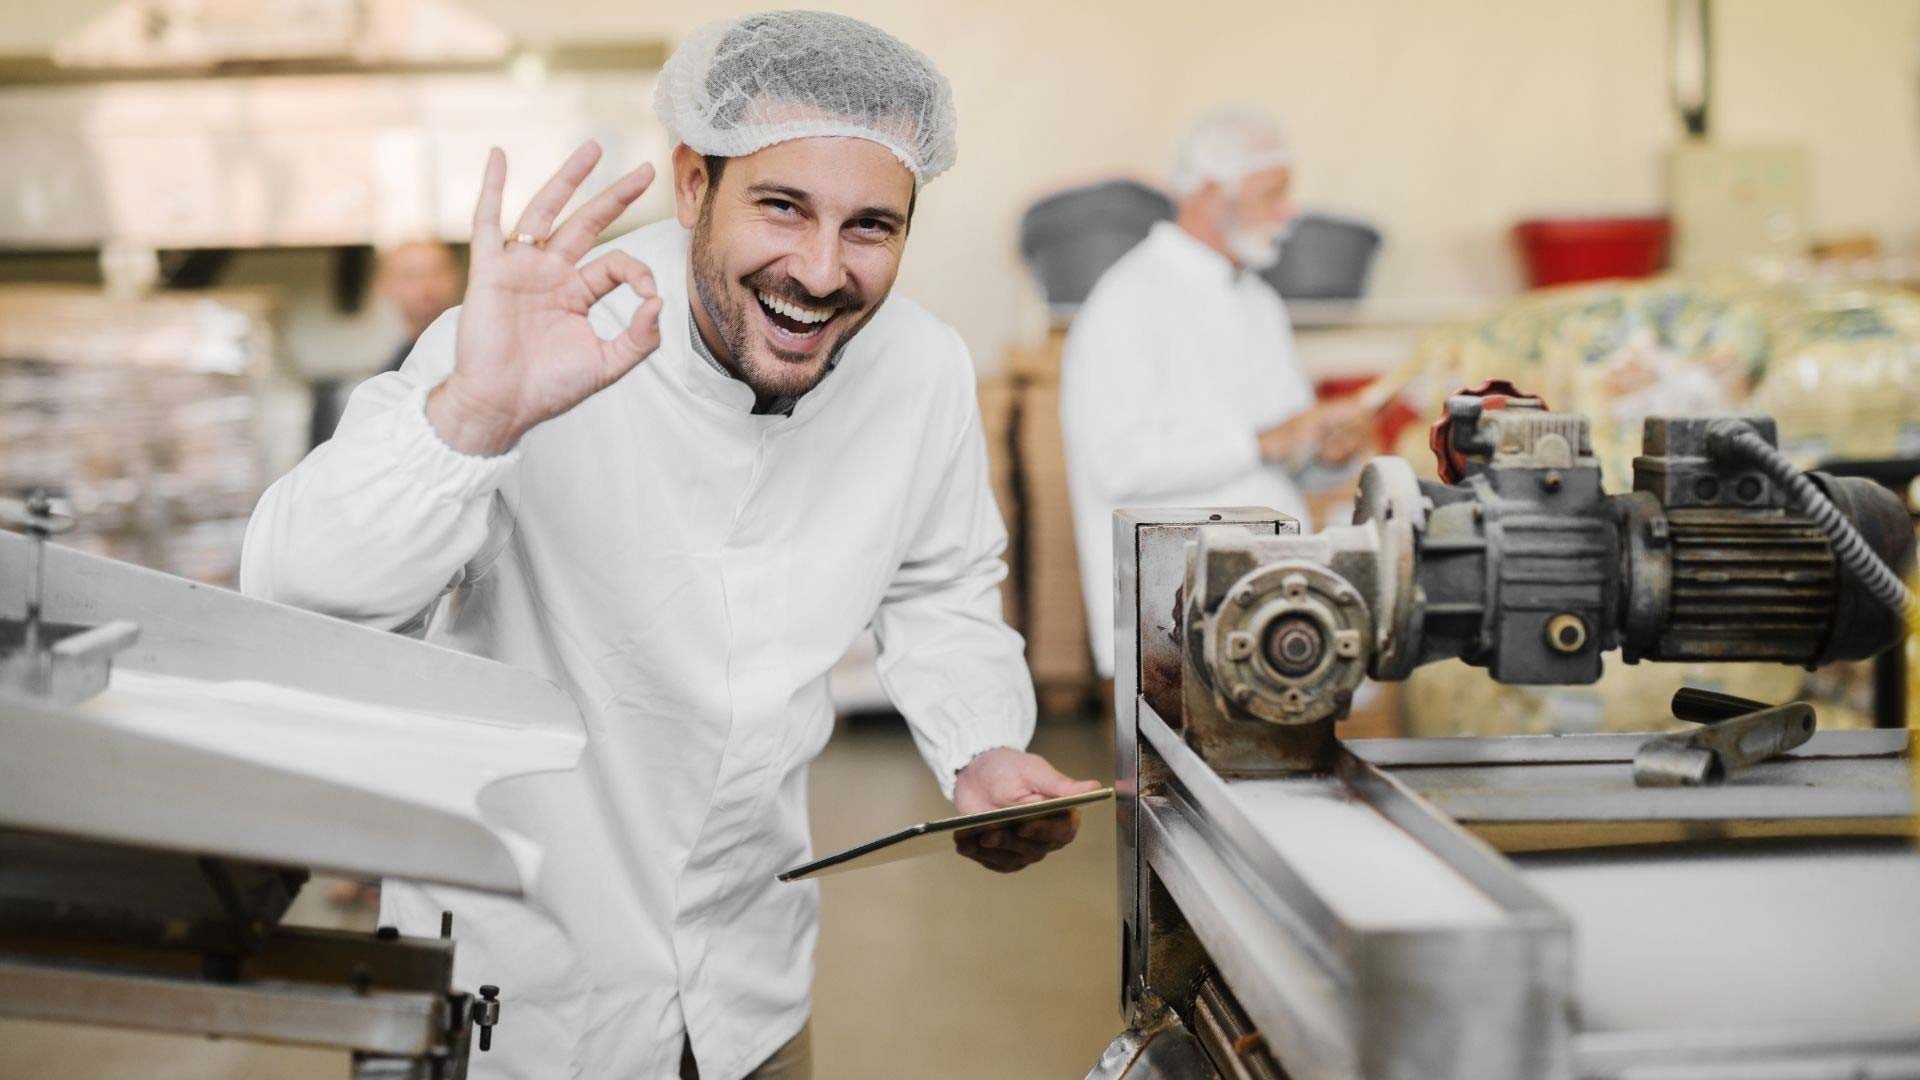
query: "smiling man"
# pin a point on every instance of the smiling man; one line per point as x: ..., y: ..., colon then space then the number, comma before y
x: 679, y: 476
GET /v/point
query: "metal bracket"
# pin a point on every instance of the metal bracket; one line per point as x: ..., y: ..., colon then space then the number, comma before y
x: 1738, y: 735
x: 61, y: 663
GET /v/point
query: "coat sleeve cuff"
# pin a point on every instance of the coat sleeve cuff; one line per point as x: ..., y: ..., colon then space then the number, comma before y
x: 420, y: 453
x: 976, y: 739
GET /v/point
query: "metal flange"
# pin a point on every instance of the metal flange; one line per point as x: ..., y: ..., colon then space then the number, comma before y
x: 1289, y: 644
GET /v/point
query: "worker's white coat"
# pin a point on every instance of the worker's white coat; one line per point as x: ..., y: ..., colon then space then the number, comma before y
x: 1173, y: 366
x: 689, y: 572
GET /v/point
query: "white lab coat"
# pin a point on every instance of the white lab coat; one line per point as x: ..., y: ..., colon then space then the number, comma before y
x: 1173, y: 366
x: 689, y: 572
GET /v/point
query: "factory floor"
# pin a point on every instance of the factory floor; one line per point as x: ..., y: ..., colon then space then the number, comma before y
x: 927, y: 969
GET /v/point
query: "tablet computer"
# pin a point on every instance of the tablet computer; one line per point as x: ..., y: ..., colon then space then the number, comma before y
x: 931, y: 836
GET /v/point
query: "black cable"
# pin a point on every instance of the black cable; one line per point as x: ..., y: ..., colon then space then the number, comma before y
x: 1738, y: 439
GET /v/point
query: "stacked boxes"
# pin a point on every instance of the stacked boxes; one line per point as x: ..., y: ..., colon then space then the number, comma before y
x: 143, y: 413
x: 1021, y: 413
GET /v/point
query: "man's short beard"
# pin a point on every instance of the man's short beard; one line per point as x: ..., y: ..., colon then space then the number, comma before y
x: 731, y: 320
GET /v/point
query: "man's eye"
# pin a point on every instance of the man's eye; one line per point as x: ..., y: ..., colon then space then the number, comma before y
x: 780, y: 207
x: 873, y: 228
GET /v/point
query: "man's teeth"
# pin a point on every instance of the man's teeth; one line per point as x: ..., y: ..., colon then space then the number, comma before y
x: 794, y: 311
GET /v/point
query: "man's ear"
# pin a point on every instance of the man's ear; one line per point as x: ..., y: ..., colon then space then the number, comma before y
x: 691, y: 184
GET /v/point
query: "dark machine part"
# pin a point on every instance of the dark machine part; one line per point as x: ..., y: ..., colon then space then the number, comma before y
x: 1525, y: 566
x: 170, y: 941
x: 86, y: 892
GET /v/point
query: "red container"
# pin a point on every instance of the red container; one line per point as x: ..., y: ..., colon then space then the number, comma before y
x: 1559, y: 251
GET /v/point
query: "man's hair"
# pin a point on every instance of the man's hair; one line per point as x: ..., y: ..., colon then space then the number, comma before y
x: 1225, y: 146
x: 717, y: 165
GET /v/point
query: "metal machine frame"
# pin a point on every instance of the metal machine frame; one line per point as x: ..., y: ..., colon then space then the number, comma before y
x: 106, y: 802
x: 1245, y: 946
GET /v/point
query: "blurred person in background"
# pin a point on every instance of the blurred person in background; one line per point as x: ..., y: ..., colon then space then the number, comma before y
x: 679, y: 474
x: 1179, y: 385
x: 420, y: 279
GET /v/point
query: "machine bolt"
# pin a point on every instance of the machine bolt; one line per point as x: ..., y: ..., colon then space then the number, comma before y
x: 1239, y: 645
x: 1706, y: 489
x: 1293, y: 701
x: 1294, y: 645
x: 486, y: 1013
x: 1749, y: 489
x: 1294, y: 585
x: 1242, y: 695
x: 1567, y: 632
x: 1550, y: 480
x: 1244, y: 598
x: 1347, y: 596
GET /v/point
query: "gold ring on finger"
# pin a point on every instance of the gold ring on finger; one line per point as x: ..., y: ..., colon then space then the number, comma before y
x: 524, y: 238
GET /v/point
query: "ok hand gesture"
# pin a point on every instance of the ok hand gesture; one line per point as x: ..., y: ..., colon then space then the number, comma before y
x: 525, y: 352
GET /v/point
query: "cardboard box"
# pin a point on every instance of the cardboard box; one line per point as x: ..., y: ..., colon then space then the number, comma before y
x: 999, y: 404
x: 1038, y: 362
x: 1056, y: 615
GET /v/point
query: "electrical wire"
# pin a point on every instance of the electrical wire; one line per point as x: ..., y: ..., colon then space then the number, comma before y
x: 1738, y: 439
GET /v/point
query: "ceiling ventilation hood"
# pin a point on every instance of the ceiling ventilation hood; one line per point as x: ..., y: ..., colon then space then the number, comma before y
x: 180, y: 124
x: 209, y: 35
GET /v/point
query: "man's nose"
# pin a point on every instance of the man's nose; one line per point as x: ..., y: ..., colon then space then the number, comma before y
x: 818, y: 267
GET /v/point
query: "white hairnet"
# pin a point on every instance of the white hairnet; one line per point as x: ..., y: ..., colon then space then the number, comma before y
x: 1227, y: 145
x: 738, y: 85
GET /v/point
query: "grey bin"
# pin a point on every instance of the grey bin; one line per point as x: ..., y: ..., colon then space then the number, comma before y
x: 1069, y: 239
x: 1325, y: 257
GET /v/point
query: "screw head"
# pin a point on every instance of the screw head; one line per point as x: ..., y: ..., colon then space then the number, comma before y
x: 1239, y: 645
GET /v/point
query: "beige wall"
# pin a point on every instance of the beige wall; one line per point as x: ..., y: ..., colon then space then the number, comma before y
x: 1443, y: 121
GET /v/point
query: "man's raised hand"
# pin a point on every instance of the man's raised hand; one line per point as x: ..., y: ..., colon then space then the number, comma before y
x: 525, y: 352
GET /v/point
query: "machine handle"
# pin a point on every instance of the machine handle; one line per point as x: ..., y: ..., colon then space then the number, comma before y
x: 1697, y: 706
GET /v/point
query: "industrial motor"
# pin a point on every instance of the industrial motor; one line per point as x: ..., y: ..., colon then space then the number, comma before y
x: 1519, y: 562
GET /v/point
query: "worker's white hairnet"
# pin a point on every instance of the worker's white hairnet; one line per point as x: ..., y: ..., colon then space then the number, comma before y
x: 1226, y: 145
x: 738, y: 85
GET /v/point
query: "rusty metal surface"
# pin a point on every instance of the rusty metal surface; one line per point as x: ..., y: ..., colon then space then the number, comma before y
x: 1569, y: 779
x: 1150, y: 567
x: 1713, y: 754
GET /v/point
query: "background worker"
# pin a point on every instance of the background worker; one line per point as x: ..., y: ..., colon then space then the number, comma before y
x: 1179, y: 385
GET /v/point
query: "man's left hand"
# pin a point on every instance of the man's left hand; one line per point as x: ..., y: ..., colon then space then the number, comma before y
x: 1345, y: 430
x: 1007, y: 777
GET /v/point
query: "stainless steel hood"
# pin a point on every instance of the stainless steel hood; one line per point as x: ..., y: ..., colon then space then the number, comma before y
x: 209, y: 34
x: 265, y: 123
